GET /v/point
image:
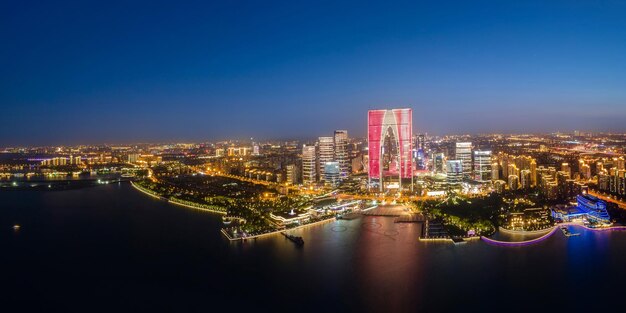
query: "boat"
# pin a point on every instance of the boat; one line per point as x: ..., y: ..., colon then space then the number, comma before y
x: 567, y: 233
x: 295, y: 239
x: 16, y: 227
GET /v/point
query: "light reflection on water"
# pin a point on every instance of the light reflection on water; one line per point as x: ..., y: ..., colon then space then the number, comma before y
x: 114, y: 246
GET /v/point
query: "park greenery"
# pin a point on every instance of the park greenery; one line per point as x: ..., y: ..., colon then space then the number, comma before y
x: 462, y: 214
x: 247, y: 201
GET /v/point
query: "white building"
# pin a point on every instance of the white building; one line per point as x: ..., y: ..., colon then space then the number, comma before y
x: 482, y: 166
x: 309, y: 172
x: 341, y: 152
x: 464, y: 154
x: 332, y: 173
x: 454, y: 171
x: 325, y: 153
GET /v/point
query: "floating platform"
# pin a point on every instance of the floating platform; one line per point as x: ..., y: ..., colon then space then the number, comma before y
x: 457, y: 240
x: 349, y: 216
x: 410, y: 218
x: 388, y: 210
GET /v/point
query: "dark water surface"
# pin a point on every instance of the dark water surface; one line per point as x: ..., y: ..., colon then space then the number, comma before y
x: 113, y: 249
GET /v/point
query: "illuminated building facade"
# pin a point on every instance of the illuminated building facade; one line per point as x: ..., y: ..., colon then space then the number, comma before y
x: 464, y: 153
x: 482, y: 166
x: 439, y: 163
x: 513, y: 182
x: 389, y: 142
x: 332, y: 172
x: 454, y: 172
x: 495, y: 171
x: 325, y: 153
x: 309, y: 173
x: 588, y: 207
x: 525, y: 179
x: 341, y: 152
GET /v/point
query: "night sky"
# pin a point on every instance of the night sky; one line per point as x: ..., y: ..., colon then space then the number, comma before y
x: 108, y: 71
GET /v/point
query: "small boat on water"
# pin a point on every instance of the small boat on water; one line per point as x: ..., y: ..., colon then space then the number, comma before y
x: 567, y: 233
x: 16, y: 227
x: 295, y: 239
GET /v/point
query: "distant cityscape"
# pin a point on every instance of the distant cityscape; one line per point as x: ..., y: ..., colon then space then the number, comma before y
x: 518, y: 182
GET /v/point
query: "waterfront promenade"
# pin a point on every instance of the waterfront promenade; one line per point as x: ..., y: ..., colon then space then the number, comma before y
x: 188, y: 204
x: 547, y: 235
x: 324, y: 221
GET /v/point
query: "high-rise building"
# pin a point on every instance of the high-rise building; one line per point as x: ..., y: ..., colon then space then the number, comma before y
x: 389, y: 135
x: 621, y: 182
x: 603, y: 182
x: 325, y: 153
x: 341, y: 152
x: 566, y: 169
x: 585, y: 170
x: 525, y: 179
x: 332, y: 171
x: 133, y: 157
x: 464, y: 154
x: 495, y: 171
x: 439, y: 163
x: 482, y: 166
x: 499, y: 186
x: 533, y: 173
x: 419, y: 152
x: 599, y: 167
x: 309, y: 173
x: 454, y: 171
x: 420, y: 142
x: 291, y: 174
x: 513, y: 182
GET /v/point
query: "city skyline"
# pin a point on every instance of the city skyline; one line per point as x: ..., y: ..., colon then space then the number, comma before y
x: 302, y: 140
x: 125, y: 73
x: 342, y: 156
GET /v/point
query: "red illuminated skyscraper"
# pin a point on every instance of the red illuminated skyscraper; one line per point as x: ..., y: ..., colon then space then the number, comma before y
x: 389, y: 134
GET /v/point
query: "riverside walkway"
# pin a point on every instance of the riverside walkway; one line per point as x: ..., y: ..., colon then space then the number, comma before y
x: 542, y: 238
x: 188, y: 204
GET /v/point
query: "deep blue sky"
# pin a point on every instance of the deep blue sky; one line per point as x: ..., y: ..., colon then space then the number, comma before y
x: 107, y: 71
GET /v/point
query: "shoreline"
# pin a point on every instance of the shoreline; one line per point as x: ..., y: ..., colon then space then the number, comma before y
x: 524, y: 232
x: 549, y: 234
x: 156, y: 196
x: 223, y: 231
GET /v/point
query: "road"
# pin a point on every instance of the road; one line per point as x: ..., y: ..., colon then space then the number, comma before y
x: 621, y: 204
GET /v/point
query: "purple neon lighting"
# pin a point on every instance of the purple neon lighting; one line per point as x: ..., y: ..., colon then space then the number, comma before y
x: 518, y: 243
x: 544, y: 237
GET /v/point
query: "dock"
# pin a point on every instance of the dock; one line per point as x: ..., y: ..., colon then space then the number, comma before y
x: 390, y: 210
x: 410, y: 218
x: 349, y: 216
